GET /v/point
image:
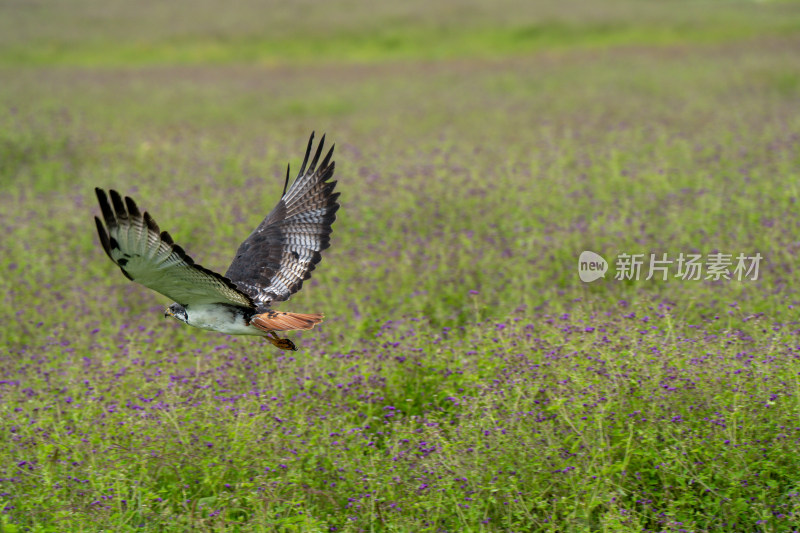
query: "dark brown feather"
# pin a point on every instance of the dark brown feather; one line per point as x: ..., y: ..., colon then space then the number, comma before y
x: 272, y: 263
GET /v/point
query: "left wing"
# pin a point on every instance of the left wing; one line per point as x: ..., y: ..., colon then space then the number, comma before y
x: 148, y: 256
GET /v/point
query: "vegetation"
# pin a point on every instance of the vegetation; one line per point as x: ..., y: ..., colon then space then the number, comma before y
x: 465, y: 379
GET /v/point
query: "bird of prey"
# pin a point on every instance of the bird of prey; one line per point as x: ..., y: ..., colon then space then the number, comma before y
x: 270, y: 265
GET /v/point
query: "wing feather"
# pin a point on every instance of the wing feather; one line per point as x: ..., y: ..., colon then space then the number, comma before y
x: 272, y: 263
x: 147, y: 255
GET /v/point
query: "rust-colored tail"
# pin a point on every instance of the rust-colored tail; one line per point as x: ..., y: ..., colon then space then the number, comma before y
x: 282, y: 321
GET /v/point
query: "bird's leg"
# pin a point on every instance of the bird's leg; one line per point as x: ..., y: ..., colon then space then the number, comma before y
x: 283, y: 344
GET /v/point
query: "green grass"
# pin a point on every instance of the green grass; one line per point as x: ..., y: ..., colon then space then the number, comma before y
x: 394, y: 43
x: 277, y: 33
x: 465, y: 379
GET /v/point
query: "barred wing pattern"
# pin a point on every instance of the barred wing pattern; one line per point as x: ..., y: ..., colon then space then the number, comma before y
x: 148, y: 256
x: 272, y: 263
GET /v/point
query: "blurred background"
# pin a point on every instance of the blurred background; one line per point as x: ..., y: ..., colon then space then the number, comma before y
x: 481, y: 146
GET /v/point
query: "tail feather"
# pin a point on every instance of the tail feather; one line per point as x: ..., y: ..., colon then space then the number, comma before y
x: 283, y: 321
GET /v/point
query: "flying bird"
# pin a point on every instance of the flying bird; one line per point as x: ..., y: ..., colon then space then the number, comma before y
x: 270, y: 265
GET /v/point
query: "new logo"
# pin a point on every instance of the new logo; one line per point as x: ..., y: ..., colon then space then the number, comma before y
x: 591, y: 266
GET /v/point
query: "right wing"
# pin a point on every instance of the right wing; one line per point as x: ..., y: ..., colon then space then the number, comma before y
x: 271, y: 264
x: 148, y: 256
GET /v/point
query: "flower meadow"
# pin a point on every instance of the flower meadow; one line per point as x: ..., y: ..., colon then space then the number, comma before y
x: 605, y: 421
x: 465, y: 378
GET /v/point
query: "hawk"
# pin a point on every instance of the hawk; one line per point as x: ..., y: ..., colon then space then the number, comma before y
x: 270, y: 265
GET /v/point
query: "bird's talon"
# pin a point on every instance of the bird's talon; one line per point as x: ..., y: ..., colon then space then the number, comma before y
x: 283, y: 344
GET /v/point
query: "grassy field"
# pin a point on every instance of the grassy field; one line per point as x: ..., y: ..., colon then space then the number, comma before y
x: 465, y: 379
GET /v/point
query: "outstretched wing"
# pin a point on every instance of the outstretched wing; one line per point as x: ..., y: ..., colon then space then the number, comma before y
x: 280, y: 254
x: 148, y: 256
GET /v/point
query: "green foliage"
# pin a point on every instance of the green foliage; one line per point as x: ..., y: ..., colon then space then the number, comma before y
x: 279, y: 33
x: 465, y: 379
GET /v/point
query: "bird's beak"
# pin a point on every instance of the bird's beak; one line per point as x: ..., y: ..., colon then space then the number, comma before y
x: 167, y: 313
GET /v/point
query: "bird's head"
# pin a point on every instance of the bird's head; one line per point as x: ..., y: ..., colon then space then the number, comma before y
x: 176, y: 311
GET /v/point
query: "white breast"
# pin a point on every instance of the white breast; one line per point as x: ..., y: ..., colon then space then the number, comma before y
x: 222, y: 318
